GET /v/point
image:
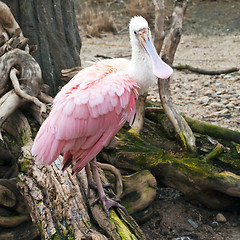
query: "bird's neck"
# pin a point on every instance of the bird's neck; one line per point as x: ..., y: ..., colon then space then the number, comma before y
x: 141, y: 69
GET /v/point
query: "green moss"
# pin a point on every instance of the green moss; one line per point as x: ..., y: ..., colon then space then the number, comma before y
x: 65, y: 233
x: 23, y: 167
x: 24, y: 139
x: 213, y: 130
x: 55, y: 236
x: 122, y: 228
x: 40, y: 230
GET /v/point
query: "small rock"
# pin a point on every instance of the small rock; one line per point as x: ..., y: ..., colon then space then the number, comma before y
x: 227, y: 76
x: 182, y: 238
x: 224, y: 111
x: 227, y: 115
x: 230, y: 105
x: 214, y: 224
x: 221, y: 218
x: 209, y: 92
x: 193, y: 224
x: 225, y: 96
x: 206, y: 83
x: 205, y: 99
x: 216, y: 104
x: 224, y: 101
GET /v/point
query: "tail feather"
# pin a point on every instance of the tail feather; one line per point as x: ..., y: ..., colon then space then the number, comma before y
x: 45, y: 147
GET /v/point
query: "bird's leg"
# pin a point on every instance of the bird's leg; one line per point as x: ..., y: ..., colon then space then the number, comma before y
x: 91, y: 183
x: 107, y: 202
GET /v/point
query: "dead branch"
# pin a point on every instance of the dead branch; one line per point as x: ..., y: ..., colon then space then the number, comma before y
x: 45, y: 98
x: 8, y: 104
x: 203, y: 71
x: 159, y: 24
x: 21, y: 93
x: 26, y: 85
x: 31, y: 76
x: 175, y: 34
x: 140, y: 111
x: 182, y: 129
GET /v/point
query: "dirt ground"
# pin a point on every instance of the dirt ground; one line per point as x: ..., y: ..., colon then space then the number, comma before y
x: 211, y: 40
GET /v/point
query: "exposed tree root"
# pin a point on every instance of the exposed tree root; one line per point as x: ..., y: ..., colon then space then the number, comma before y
x: 118, y: 177
x: 23, y: 94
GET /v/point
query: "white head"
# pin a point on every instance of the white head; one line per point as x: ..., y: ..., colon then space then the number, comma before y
x: 137, y: 24
x: 140, y: 36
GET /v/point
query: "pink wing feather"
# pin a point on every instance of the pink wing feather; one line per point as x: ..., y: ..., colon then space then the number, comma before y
x: 87, y: 113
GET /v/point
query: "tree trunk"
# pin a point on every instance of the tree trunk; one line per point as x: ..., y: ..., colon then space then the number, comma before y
x: 52, y: 26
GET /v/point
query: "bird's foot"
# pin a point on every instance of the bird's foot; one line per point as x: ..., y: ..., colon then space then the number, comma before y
x: 93, y: 185
x: 108, y: 203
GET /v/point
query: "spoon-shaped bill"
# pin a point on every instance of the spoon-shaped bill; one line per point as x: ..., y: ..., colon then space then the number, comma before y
x: 160, y: 68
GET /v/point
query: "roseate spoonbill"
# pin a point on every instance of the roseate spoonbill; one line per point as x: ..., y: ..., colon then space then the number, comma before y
x: 89, y: 111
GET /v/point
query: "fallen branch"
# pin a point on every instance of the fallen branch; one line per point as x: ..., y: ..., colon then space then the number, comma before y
x: 203, y: 71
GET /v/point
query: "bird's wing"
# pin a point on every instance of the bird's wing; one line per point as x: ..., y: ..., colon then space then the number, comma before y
x: 86, y: 114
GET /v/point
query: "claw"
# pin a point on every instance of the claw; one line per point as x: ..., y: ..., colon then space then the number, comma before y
x: 106, y: 202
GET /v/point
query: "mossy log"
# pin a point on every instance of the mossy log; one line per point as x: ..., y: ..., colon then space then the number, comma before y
x: 209, y: 176
x: 59, y: 205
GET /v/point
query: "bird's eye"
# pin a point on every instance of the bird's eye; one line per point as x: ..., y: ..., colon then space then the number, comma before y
x: 135, y: 32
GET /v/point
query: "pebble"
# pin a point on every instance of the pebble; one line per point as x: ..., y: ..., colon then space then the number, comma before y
x: 224, y: 111
x: 214, y: 224
x: 193, y: 224
x: 209, y: 92
x: 221, y: 218
x: 204, y: 99
x: 182, y: 238
x: 230, y: 105
x: 226, y: 115
x: 216, y: 104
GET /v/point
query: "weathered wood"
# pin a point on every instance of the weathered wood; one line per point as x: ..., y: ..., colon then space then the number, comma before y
x: 182, y: 129
x: 204, y: 71
x: 213, y: 130
x: 7, y: 20
x: 31, y: 76
x: 59, y: 206
x: 52, y: 26
x: 26, y: 89
x: 159, y: 24
x: 200, y: 177
x: 140, y: 111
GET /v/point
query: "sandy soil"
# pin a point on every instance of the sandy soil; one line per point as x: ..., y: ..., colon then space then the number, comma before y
x: 211, y: 41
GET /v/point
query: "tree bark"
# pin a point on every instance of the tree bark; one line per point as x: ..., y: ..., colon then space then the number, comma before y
x: 159, y: 24
x: 60, y: 206
x: 52, y: 26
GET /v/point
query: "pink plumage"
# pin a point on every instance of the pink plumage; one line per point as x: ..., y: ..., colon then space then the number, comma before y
x: 86, y: 114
